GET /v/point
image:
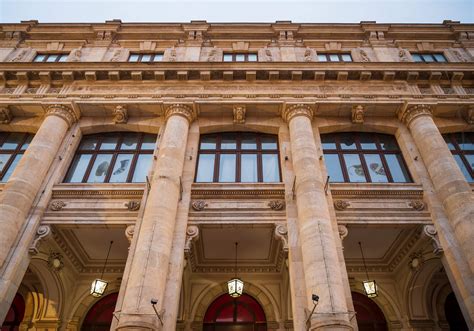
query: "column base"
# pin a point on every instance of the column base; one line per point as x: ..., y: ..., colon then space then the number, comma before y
x: 132, y: 322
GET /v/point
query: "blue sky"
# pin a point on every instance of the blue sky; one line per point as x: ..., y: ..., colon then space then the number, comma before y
x: 386, y: 11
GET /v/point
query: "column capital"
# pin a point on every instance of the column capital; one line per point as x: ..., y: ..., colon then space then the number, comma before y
x: 409, y: 113
x: 181, y: 109
x: 299, y: 109
x: 64, y: 112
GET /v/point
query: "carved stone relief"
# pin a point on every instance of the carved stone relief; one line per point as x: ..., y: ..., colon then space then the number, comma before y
x: 133, y: 205
x: 281, y: 233
x: 239, y: 114
x: 42, y: 232
x: 403, y: 55
x: 120, y: 115
x: 57, y: 205
x: 341, y: 204
x: 75, y: 55
x: 417, y: 205
x: 199, y: 205
x: 5, y: 115
x: 20, y: 55
x: 276, y: 204
x: 358, y: 114
x: 430, y: 231
x: 129, y: 232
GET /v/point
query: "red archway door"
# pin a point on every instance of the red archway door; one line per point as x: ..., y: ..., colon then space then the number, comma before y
x: 99, y: 317
x: 15, y: 314
x: 241, y: 314
x: 369, y: 316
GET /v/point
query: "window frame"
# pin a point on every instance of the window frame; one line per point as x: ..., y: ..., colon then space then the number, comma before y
x: 59, y: 56
x: 235, y: 54
x: 238, y: 151
x: 27, y: 137
x: 452, y: 138
x: 433, y: 55
x: 359, y: 151
x: 140, y: 57
x: 114, y: 152
x: 339, y: 55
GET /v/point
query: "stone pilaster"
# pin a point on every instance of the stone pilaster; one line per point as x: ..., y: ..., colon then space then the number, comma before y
x: 452, y: 190
x: 320, y: 258
x: 149, y: 267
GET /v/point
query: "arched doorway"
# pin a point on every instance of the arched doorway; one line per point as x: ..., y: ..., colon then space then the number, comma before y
x: 369, y: 316
x: 99, y: 317
x: 240, y: 314
x: 15, y: 314
x: 454, y: 314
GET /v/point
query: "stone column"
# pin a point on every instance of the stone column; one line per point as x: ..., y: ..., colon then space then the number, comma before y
x: 150, y: 263
x: 21, y: 189
x: 320, y: 260
x: 450, y: 185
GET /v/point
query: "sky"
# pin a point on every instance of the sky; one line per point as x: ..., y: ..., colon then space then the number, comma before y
x: 300, y: 11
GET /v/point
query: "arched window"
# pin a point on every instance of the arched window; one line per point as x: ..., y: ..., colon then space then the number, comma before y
x: 364, y: 157
x: 369, y: 316
x: 243, y: 157
x: 99, y: 317
x: 118, y: 157
x: 14, y: 315
x: 12, y: 147
x: 462, y: 146
x: 243, y: 313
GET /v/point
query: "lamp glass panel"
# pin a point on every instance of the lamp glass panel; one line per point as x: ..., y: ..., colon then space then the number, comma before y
x: 98, y: 287
x: 370, y: 288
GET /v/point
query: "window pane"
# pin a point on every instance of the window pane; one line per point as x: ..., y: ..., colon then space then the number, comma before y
x: 464, y: 143
x: 322, y: 58
x: 51, y: 58
x: 354, y: 168
x: 158, y: 57
x: 205, y: 171
x: 447, y: 139
x: 463, y: 168
x: 388, y: 142
x: 227, y: 57
x: 39, y: 58
x: 121, y: 168
x: 333, y: 167
x: 239, y: 57
x: 142, y: 168
x: 228, y: 142
x: 12, y: 167
x: 252, y: 57
x: 100, y: 168
x: 367, y: 141
x: 3, y: 160
x: 133, y: 58
x: 397, y: 168
x: 88, y: 143
x: 470, y: 160
x: 27, y: 142
x: 333, y: 57
x: 62, y: 58
x: 328, y: 141
x: 270, y: 168
x: 149, y: 141
x: 376, y: 169
x: 12, y: 141
x: 146, y: 57
x: 347, y: 141
x: 108, y: 143
x: 428, y: 57
x: 346, y: 58
x: 269, y: 143
x: 440, y: 57
x: 78, y: 168
x: 249, y: 141
x: 249, y: 168
x: 130, y: 141
x: 208, y: 142
x: 227, y: 168
x: 417, y: 58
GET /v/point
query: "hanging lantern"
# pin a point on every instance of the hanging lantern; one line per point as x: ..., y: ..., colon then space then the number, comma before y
x: 370, y: 288
x: 235, y: 286
x: 99, y: 285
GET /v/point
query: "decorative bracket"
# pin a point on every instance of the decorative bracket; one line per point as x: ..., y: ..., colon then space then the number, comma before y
x: 430, y: 231
x: 192, y: 234
x: 129, y: 232
x: 281, y: 233
x: 42, y: 232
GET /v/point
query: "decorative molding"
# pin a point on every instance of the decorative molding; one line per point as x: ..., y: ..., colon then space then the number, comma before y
x: 120, y: 115
x: 236, y: 193
x: 55, y: 261
x: 42, y: 232
x: 417, y: 205
x: 361, y: 193
x: 341, y: 204
x: 199, y: 205
x: 5, y: 115
x: 192, y: 234
x: 129, y: 232
x: 469, y: 115
x: 408, y: 114
x: 281, y: 233
x: 343, y: 231
x: 297, y: 110
x: 430, y: 232
x: 133, y: 205
x: 179, y: 109
x: 239, y: 114
x: 83, y: 193
x: 64, y: 112
x: 276, y: 204
x: 358, y: 114
x: 57, y: 205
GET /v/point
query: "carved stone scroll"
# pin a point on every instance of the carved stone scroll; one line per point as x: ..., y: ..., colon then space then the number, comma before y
x: 133, y: 205
x: 417, y: 205
x: 199, y: 205
x: 341, y: 204
x: 42, y: 232
x: 120, y: 115
x: 281, y: 233
x: 430, y: 231
x: 192, y: 234
x: 129, y: 232
x: 343, y: 231
x: 276, y: 204
x: 57, y: 205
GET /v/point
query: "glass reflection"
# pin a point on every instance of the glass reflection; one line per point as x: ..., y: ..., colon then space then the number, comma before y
x: 121, y: 168
x: 249, y: 168
x: 100, y: 168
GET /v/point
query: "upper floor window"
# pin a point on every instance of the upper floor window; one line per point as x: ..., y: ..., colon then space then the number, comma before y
x: 145, y: 57
x: 462, y: 146
x: 240, y: 57
x: 117, y: 157
x: 364, y: 157
x: 243, y: 157
x: 50, y: 57
x: 12, y: 147
x: 334, y: 57
x: 428, y: 57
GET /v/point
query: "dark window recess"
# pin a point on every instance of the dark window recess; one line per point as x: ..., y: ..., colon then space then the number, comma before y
x: 12, y: 147
x: 334, y: 57
x: 364, y: 157
x: 428, y: 57
x: 425, y: 89
x: 461, y: 145
x: 240, y: 57
x: 145, y: 57
x: 243, y: 157
x: 50, y: 58
x: 448, y: 90
x: 119, y: 157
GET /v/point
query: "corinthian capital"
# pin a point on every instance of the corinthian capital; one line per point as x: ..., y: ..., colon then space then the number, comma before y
x: 181, y: 110
x: 64, y: 112
x: 297, y: 110
x: 411, y: 112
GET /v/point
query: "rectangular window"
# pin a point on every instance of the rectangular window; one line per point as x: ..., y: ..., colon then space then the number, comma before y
x: 145, y: 57
x: 334, y: 57
x: 50, y: 57
x: 428, y: 57
x: 142, y: 168
x: 240, y: 57
x: 333, y: 167
x: 354, y: 168
x: 248, y: 168
x: 205, y: 170
x: 270, y: 168
x: 227, y: 168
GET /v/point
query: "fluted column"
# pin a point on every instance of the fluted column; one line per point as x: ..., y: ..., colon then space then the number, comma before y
x: 320, y: 260
x: 451, y: 188
x: 21, y: 189
x: 150, y: 263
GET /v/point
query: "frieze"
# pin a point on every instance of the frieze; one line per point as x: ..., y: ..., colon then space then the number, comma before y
x: 82, y: 193
x: 394, y: 193
x: 231, y: 194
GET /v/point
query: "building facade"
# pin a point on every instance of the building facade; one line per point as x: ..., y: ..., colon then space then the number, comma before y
x: 303, y: 159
